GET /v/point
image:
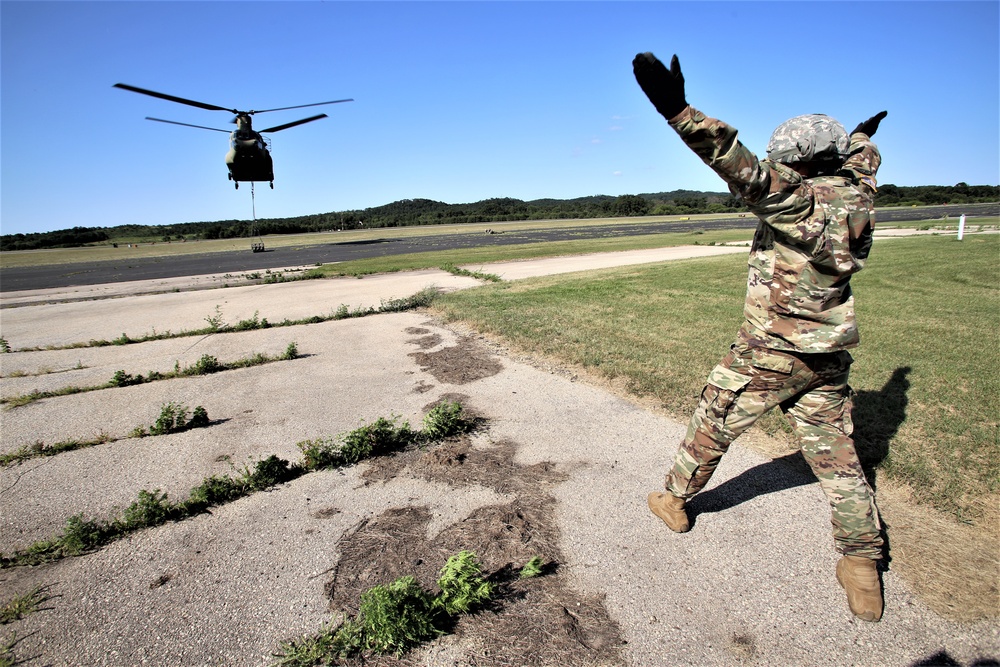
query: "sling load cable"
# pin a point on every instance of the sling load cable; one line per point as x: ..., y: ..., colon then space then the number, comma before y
x: 256, y: 242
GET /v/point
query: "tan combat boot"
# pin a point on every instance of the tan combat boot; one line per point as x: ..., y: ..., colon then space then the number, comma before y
x: 859, y: 578
x: 670, y: 508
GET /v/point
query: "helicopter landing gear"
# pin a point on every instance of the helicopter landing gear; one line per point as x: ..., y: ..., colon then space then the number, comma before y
x: 237, y: 185
x: 272, y: 185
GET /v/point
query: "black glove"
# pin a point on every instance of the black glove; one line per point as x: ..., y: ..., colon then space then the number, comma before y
x: 870, y: 126
x: 663, y: 87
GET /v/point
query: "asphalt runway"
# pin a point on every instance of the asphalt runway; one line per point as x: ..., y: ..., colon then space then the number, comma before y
x: 154, y: 268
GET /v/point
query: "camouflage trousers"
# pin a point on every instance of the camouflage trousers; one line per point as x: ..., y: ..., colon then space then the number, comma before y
x: 812, y: 391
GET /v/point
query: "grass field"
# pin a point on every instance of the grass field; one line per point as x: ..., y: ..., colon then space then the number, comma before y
x: 929, y: 310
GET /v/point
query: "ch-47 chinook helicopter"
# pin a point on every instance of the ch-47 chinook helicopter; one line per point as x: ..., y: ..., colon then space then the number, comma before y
x: 248, y: 158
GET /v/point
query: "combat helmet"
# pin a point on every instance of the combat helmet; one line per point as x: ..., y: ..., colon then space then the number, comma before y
x: 809, y: 138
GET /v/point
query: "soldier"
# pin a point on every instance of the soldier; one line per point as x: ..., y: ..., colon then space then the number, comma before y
x: 813, y: 197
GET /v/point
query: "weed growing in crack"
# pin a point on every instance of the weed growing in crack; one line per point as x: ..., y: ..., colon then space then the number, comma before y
x: 122, y: 340
x: 206, y: 365
x: 151, y: 509
x: 20, y: 606
x: 172, y: 419
x: 379, y: 437
x: 123, y: 379
x: 251, y: 324
x: 39, y: 449
x: 7, y: 657
x: 458, y: 271
x: 4, y: 346
x: 216, y: 324
x: 395, y: 617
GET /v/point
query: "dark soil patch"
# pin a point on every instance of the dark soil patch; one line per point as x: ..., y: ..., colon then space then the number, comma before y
x: 537, y: 621
x: 426, y: 339
x: 459, y: 364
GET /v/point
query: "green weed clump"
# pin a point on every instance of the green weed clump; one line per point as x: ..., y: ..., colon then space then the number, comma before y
x: 395, y: 617
x: 7, y: 657
x: 458, y: 271
x: 383, y: 436
x: 446, y: 420
x: 173, y: 419
x: 462, y: 585
x: 532, y: 568
x: 21, y: 605
x: 379, y: 437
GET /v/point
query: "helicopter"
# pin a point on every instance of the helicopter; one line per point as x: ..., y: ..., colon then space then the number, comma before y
x: 248, y: 158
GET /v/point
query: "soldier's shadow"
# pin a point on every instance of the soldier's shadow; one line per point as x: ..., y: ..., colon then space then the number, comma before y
x: 877, y: 417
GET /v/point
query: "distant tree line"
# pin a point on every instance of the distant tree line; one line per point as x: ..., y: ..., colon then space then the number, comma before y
x: 410, y: 212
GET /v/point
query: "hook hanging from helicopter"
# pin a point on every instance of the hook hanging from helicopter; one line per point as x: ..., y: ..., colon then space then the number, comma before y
x: 248, y: 158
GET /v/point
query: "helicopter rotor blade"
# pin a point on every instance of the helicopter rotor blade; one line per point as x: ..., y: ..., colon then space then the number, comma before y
x: 172, y: 98
x: 174, y: 122
x: 278, y: 128
x: 301, y: 106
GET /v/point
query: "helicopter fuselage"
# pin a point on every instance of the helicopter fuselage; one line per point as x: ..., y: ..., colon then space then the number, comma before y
x: 248, y: 158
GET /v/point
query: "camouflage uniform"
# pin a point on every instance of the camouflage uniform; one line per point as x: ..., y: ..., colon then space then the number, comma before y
x: 791, y: 351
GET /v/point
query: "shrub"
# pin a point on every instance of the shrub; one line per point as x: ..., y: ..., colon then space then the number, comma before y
x: 173, y: 418
x: 445, y: 420
x: 396, y: 617
x: 151, y: 509
x: 462, y: 585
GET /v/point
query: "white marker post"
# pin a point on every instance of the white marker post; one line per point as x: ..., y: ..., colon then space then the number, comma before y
x: 961, y: 227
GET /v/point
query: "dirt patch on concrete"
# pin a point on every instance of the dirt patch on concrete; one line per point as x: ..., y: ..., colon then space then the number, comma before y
x: 458, y: 364
x: 537, y: 621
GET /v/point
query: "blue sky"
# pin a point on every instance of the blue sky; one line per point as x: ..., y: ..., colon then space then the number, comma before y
x: 461, y: 101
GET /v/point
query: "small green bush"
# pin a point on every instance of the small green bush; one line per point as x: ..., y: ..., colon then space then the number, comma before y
x: 320, y: 453
x: 445, y: 420
x: 81, y: 535
x: 207, y: 364
x: 397, y: 617
x: 173, y: 418
x: 199, y: 418
x: 151, y: 509
x: 463, y: 588
x: 123, y: 379
x: 379, y: 437
x: 532, y: 568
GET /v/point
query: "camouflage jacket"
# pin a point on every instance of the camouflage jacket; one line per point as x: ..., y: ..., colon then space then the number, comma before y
x: 813, y: 235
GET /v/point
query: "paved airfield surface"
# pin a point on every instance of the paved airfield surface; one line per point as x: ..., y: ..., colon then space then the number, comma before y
x: 752, y: 583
